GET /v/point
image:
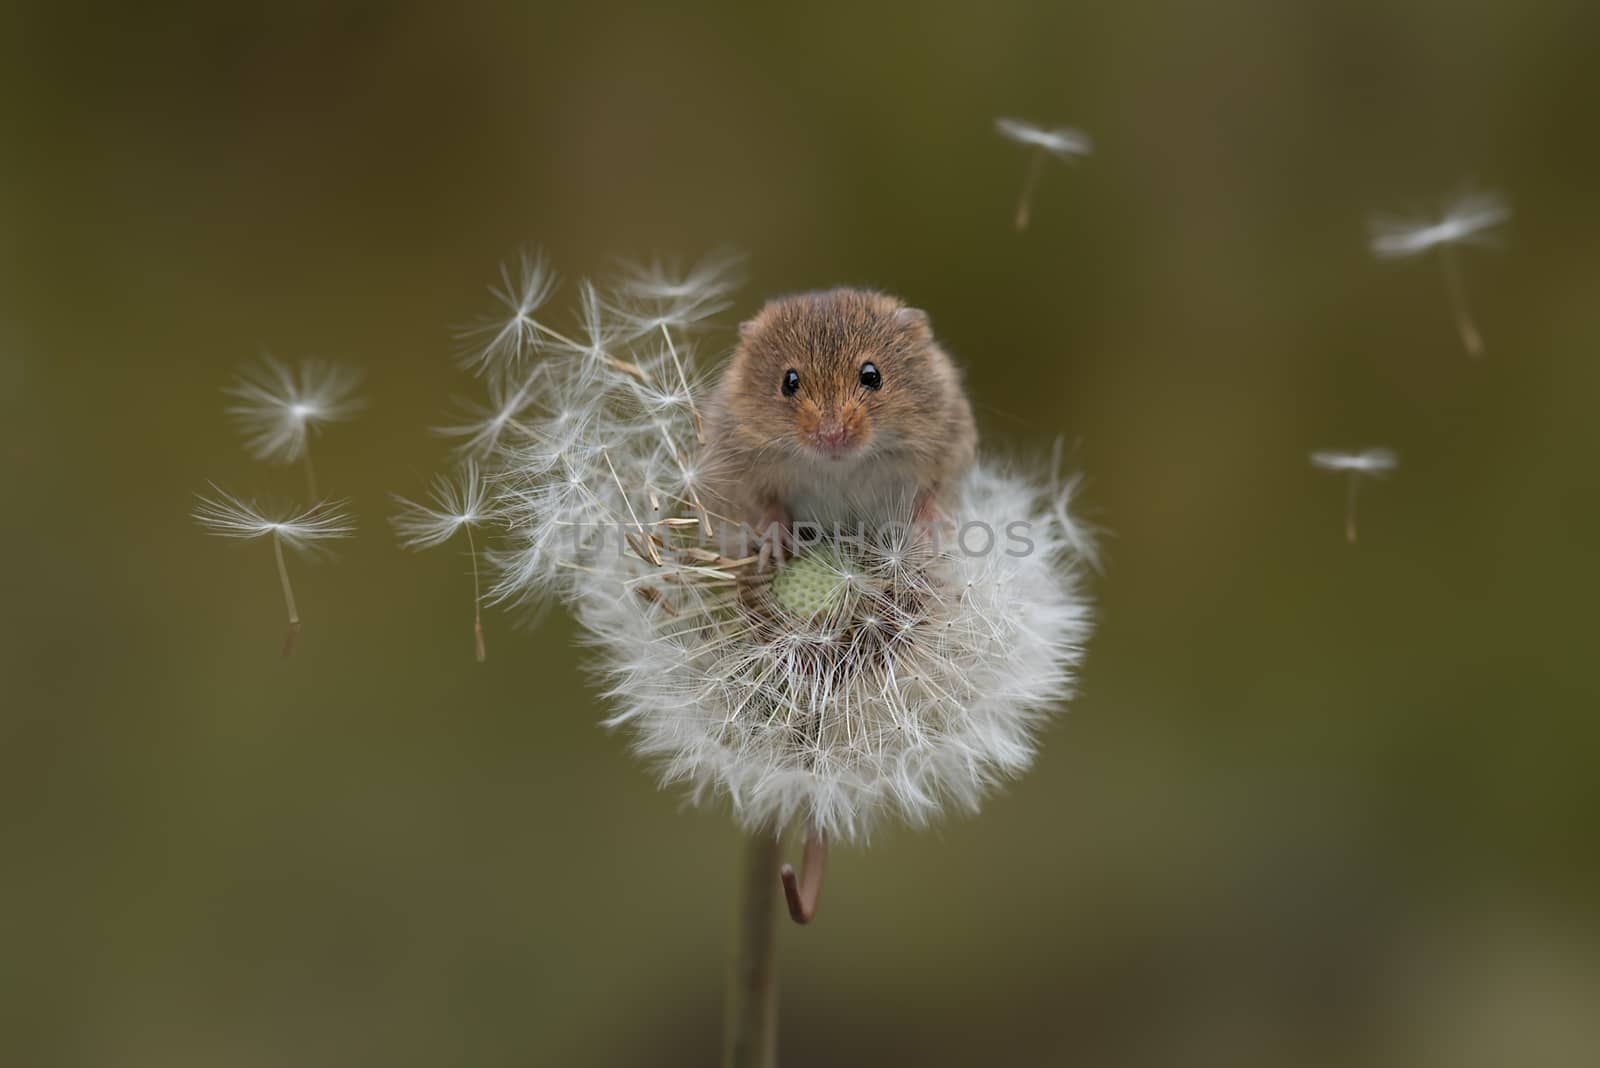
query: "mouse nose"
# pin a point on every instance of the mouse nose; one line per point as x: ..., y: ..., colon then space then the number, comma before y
x: 832, y: 434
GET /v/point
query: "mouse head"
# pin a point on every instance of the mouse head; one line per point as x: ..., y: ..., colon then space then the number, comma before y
x: 838, y: 374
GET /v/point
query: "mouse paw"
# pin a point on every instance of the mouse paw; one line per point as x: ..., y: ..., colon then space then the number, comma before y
x: 928, y: 521
x: 773, y: 531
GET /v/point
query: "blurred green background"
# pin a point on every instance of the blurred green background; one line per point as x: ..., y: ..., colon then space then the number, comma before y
x: 1318, y: 804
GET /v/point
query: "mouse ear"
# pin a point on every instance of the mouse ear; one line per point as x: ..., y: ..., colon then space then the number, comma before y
x: 915, y: 319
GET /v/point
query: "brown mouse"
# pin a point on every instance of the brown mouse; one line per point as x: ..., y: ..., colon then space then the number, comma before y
x: 837, y: 408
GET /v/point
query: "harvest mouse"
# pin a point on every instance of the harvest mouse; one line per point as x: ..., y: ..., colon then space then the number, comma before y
x: 837, y: 408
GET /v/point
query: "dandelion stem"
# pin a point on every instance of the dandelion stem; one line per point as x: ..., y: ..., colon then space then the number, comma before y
x: 311, y: 474
x: 1350, y: 508
x: 1458, y: 300
x: 477, y: 599
x: 288, y: 597
x: 751, y: 1036
x: 1025, y: 201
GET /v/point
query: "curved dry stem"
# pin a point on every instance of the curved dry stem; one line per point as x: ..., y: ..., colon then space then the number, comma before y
x: 804, y: 891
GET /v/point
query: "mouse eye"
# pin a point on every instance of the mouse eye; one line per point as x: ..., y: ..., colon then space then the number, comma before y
x: 870, y: 376
x: 791, y: 382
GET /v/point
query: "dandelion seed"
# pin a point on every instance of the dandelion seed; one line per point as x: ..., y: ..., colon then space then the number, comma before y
x: 486, y: 428
x: 601, y: 335
x: 1062, y: 142
x: 277, y: 408
x: 1466, y: 220
x: 502, y: 344
x: 229, y: 517
x: 1369, y: 463
x: 461, y: 503
x: 676, y: 297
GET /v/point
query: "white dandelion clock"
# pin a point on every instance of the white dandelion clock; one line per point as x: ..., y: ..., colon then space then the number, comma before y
x: 877, y: 675
x: 1368, y: 463
x: 227, y: 516
x: 1467, y: 220
x: 460, y: 504
x: 277, y: 408
x: 1062, y: 142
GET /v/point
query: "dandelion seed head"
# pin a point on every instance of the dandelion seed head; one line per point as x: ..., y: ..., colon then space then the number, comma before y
x: 852, y: 688
x: 811, y: 585
x: 276, y: 407
x: 865, y: 681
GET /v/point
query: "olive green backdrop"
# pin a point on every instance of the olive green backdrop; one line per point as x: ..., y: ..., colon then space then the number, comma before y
x: 1318, y: 804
